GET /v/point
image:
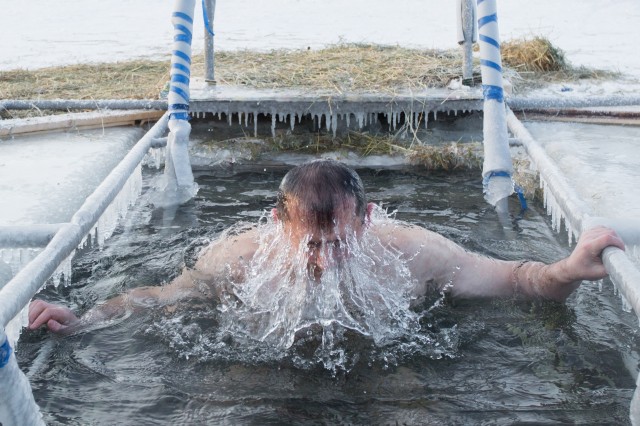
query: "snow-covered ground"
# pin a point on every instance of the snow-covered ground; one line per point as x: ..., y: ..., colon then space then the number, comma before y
x: 40, y: 33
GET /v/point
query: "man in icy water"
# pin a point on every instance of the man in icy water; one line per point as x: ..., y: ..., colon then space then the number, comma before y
x: 326, y: 255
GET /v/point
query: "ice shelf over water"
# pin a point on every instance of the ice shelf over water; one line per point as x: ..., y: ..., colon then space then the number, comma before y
x: 602, y: 170
x: 44, y: 179
x: 602, y: 164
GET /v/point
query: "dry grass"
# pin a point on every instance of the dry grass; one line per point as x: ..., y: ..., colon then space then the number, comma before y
x: 535, y: 62
x: 452, y: 156
x: 139, y: 79
x: 345, y: 67
x: 339, y: 68
x: 536, y: 54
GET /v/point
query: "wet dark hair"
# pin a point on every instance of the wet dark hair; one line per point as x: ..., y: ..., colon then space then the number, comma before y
x: 321, y: 187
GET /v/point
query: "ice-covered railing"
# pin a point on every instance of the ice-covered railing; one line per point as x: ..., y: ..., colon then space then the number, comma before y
x: 97, y: 217
x: 562, y: 204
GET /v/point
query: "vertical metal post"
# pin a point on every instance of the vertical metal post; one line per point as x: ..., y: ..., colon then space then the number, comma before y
x: 209, y: 52
x: 497, y: 168
x: 17, y: 406
x: 467, y: 35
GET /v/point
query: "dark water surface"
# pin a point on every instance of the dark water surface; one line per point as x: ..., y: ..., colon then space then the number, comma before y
x: 503, y: 362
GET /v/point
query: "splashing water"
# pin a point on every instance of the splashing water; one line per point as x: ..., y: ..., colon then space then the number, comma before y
x: 366, y: 292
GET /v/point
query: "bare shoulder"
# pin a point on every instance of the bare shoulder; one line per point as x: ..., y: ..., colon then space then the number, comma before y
x: 406, y: 237
x: 232, y: 248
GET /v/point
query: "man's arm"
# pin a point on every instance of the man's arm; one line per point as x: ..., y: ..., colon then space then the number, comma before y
x: 222, y: 262
x: 60, y: 319
x: 438, y: 262
x: 558, y: 280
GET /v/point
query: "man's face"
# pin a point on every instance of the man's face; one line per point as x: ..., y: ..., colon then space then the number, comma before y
x: 324, y: 247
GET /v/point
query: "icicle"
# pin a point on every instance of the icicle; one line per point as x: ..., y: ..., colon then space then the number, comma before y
x: 292, y: 120
x: 239, y: 118
x: 569, y: 232
x: 334, y: 124
x: 12, y: 330
x: 360, y: 119
x: 63, y: 273
x: 229, y: 118
x: 455, y: 112
x: 255, y: 124
x: 18, y: 258
x: 246, y: 119
x: 218, y: 115
x: 348, y: 119
x: 435, y: 115
x: 599, y: 282
x: 273, y: 124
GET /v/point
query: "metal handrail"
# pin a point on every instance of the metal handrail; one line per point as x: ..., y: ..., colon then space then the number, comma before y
x: 19, y: 291
x: 579, y: 216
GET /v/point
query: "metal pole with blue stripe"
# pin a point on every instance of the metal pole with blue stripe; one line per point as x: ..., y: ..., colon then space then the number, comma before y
x: 180, y: 185
x: 497, y: 168
x: 17, y: 406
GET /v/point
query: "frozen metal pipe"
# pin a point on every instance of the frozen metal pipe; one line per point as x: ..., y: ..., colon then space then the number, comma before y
x: 37, y: 235
x: 68, y: 104
x: 209, y: 51
x: 19, y: 291
x: 497, y: 167
x: 17, y: 406
x: 579, y: 215
x: 621, y: 270
x: 467, y: 35
x: 520, y: 103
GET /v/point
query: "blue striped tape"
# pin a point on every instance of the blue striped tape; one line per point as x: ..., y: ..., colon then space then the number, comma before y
x: 491, y: 64
x: 182, y: 37
x: 179, y: 78
x: 521, y: 198
x: 178, y: 107
x: 179, y: 116
x: 184, y: 16
x: 180, y: 54
x: 185, y: 69
x: 5, y: 353
x: 487, y: 19
x: 180, y: 92
x: 490, y: 92
x: 185, y: 31
x: 207, y: 24
x: 489, y: 40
